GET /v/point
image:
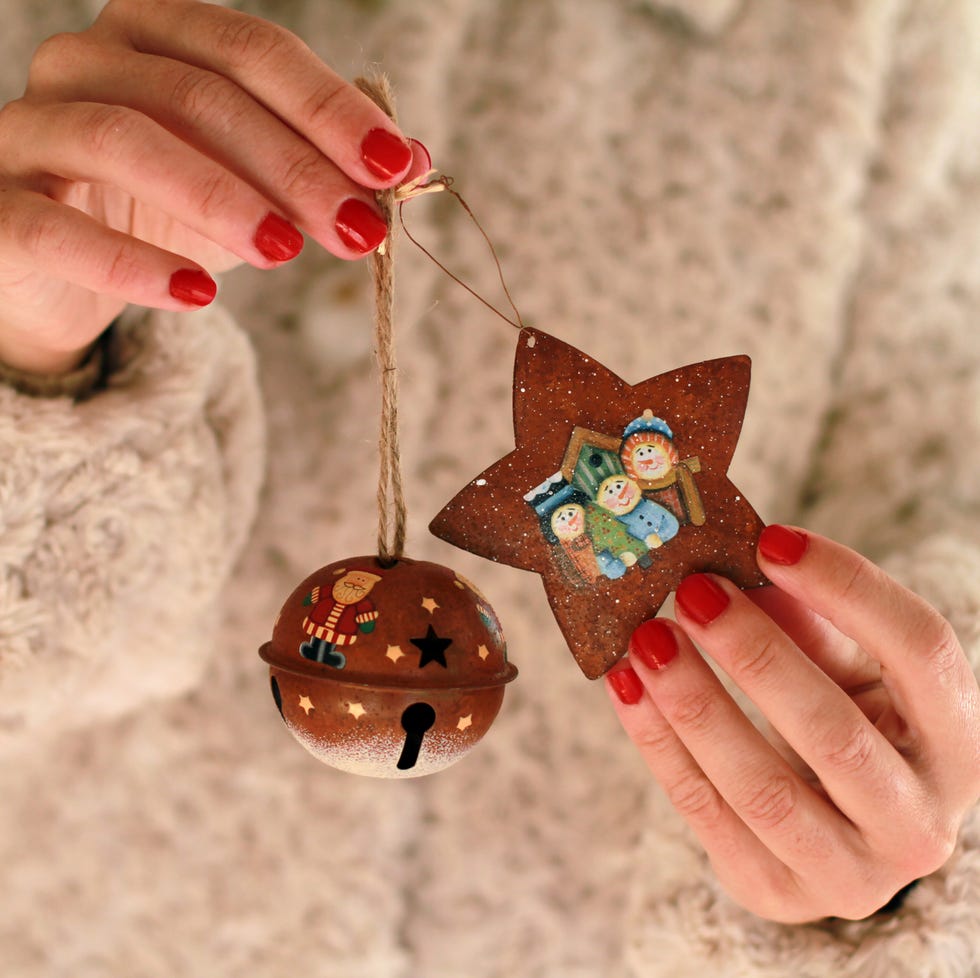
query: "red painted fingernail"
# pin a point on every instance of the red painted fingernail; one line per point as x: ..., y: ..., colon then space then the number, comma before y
x: 420, y: 153
x: 626, y: 685
x: 654, y: 644
x: 385, y: 154
x: 700, y: 598
x: 782, y: 545
x: 193, y: 286
x: 359, y: 226
x: 277, y: 239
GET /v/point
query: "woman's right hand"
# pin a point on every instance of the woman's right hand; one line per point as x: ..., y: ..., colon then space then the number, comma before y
x: 171, y: 137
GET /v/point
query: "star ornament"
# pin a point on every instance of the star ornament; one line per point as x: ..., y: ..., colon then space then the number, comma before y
x: 614, y: 492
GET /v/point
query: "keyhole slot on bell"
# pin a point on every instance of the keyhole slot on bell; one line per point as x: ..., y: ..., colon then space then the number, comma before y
x: 416, y: 722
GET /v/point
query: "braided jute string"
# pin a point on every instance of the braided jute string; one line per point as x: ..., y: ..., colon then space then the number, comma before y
x: 392, y: 514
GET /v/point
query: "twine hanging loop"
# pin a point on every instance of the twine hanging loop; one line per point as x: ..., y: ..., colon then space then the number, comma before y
x: 392, y: 516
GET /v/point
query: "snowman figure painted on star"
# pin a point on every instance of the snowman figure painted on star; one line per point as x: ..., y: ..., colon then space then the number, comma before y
x: 568, y: 524
x: 649, y: 457
x: 647, y: 521
x: 648, y: 451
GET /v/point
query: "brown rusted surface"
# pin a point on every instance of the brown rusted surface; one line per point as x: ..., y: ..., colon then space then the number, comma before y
x: 387, y: 671
x: 560, y: 395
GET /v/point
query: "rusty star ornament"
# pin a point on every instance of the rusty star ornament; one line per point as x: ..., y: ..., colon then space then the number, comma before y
x: 614, y: 492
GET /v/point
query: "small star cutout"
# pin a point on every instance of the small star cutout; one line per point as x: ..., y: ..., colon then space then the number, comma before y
x: 394, y: 653
x: 558, y: 505
x: 465, y: 722
x: 432, y: 648
x: 483, y: 652
x: 306, y: 704
x: 429, y: 604
x: 356, y: 710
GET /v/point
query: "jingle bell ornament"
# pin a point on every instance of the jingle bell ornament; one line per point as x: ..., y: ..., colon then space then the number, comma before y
x: 389, y: 671
x: 383, y: 665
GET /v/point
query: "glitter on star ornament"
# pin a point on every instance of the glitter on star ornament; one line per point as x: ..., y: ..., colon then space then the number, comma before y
x: 614, y: 492
x: 388, y: 671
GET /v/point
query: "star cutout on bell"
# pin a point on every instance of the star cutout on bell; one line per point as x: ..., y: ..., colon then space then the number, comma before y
x: 432, y: 648
x: 614, y: 492
x: 394, y: 653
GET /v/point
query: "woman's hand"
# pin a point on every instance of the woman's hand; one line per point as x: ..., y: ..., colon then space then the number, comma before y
x: 877, y: 711
x: 170, y: 137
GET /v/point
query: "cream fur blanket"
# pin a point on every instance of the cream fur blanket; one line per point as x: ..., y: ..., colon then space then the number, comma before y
x: 666, y: 182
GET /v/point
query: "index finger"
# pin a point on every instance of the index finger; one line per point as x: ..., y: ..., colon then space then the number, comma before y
x: 922, y: 661
x: 278, y: 70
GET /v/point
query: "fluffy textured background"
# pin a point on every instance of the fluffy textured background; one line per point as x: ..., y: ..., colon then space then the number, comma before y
x: 665, y: 183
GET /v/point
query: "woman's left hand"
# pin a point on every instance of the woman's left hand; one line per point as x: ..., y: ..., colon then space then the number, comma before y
x: 878, y: 720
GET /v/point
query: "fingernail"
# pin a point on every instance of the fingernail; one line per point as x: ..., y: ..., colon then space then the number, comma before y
x: 277, y: 239
x: 701, y: 598
x: 421, y: 157
x: 385, y: 154
x: 359, y: 226
x: 654, y: 644
x: 626, y: 685
x: 782, y: 545
x: 193, y: 286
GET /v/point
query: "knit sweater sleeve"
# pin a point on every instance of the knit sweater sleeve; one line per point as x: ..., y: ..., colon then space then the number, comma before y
x: 120, y: 518
x: 894, y: 476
